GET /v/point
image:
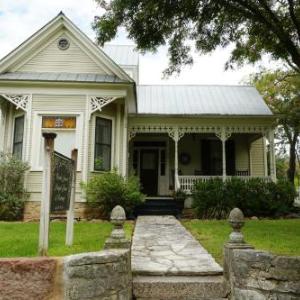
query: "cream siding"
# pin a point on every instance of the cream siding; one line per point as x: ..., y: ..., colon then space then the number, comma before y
x: 257, y: 158
x: 52, y: 59
x: 241, y: 153
x: 34, y: 186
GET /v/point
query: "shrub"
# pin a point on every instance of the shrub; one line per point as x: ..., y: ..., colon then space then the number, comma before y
x: 110, y: 189
x: 12, y: 193
x: 255, y: 197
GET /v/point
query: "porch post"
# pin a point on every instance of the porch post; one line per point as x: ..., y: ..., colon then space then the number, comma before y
x: 223, y: 136
x: 272, y: 155
x: 176, y: 137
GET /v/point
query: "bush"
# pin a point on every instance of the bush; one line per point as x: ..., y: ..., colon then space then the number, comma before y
x: 110, y: 189
x: 255, y: 197
x: 12, y: 193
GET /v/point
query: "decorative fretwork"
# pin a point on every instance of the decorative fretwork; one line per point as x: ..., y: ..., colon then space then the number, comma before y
x: 223, y: 134
x: 216, y: 129
x: 97, y: 103
x: 21, y: 101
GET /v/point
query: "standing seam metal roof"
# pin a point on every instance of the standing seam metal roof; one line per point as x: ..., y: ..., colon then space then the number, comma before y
x: 200, y: 100
x: 124, y: 55
x: 67, y: 77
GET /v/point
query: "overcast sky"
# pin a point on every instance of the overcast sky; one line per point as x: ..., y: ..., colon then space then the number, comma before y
x: 21, y: 18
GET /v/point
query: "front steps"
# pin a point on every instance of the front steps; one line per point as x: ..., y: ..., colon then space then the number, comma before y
x: 180, y: 287
x: 159, y: 207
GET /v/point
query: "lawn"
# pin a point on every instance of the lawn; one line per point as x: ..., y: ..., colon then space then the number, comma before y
x: 21, y: 239
x: 277, y: 236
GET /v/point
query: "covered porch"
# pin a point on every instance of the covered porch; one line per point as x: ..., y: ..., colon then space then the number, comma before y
x: 170, y: 158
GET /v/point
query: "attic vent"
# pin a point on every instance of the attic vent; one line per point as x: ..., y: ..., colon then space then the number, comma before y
x: 63, y: 44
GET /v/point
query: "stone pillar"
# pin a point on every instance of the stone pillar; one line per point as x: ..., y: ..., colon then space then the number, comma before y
x: 236, y: 239
x: 117, y: 239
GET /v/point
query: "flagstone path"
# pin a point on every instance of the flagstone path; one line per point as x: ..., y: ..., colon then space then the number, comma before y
x: 162, y: 246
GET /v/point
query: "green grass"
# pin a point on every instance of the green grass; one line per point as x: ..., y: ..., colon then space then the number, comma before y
x: 21, y: 239
x: 276, y: 236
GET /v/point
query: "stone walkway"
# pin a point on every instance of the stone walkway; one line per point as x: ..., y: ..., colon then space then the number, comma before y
x: 162, y: 246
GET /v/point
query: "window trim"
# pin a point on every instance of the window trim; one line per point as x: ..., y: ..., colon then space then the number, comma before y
x: 16, y: 116
x: 37, y: 132
x: 93, y: 144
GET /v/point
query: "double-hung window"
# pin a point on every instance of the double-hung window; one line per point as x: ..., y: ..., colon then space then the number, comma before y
x: 18, y: 137
x: 103, y: 138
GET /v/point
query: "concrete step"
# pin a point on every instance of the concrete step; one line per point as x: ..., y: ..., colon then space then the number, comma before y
x: 180, y: 287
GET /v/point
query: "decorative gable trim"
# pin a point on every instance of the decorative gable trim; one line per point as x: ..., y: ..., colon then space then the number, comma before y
x: 20, y: 101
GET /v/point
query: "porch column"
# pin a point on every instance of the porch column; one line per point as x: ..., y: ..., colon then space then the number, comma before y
x: 176, y: 136
x: 223, y: 136
x: 272, y: 155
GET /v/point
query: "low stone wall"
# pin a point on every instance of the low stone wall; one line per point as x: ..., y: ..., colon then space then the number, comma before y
x: 98, y: 275
x: 82, y: 210
x: 36, y: 278
x: 260, y: 275
x: 103, y: 275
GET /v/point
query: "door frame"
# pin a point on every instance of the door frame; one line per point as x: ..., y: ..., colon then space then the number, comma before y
x: 162, y: 180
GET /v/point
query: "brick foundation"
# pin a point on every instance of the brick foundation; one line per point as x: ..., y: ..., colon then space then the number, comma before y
x: 82, y: 211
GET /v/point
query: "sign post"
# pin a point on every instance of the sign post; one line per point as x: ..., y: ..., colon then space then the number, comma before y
x: 46, y: 193
x: 70, y: 213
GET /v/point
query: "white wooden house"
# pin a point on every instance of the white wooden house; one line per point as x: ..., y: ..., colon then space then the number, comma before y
x: 58, y: 80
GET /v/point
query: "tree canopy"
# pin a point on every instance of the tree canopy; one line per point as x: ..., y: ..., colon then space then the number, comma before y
x: 254, y: 27
x: 281, y: 91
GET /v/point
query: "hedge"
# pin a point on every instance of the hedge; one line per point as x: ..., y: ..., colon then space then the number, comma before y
x: 255, y: 197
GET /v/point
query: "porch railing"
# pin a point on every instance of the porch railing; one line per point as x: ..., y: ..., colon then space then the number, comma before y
x: 186, y: 182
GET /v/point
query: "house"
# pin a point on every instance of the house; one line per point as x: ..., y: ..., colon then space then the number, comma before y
x: 58, y: 80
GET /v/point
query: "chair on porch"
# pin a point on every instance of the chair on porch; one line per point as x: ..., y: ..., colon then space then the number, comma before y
x: 241, y: 173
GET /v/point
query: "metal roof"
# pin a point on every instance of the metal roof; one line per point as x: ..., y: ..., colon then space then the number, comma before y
x: 67, y: 77
x: 124, y: 55
x: 200, y: 100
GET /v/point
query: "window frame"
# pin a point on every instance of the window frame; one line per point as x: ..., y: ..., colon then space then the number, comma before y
x: 112, y: 145
x: 18, y: 116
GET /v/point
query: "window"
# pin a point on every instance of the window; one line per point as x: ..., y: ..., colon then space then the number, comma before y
x: 18, y: 137
x: 103, y: 132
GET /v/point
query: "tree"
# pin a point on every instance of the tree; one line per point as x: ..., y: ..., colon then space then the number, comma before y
x: 281, y: 91
x: 254, y: 27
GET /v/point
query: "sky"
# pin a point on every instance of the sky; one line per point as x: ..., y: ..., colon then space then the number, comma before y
x: 19, y: 19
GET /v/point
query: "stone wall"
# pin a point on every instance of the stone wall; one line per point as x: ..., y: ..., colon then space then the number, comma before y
x: 82, y: 210
x: 103, y: 275
x: 260, y: 275
x: 32, y: 278
x: 98, y: 275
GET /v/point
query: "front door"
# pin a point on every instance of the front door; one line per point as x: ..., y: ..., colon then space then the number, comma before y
x: 149, y: 171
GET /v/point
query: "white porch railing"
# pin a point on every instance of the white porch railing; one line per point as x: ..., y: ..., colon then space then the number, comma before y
x: 186, y: 182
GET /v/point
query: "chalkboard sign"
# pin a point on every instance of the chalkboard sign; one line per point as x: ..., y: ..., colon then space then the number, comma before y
x: 61, y: 182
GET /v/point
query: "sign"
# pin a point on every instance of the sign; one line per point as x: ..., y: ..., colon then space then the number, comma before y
x: 61, y: 185
x: 59, y: 122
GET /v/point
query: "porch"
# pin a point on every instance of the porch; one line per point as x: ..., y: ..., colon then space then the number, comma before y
x: 171, y: 158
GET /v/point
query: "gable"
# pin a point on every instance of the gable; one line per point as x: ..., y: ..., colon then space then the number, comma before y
x: 53, y: 59
x: 40, y: 54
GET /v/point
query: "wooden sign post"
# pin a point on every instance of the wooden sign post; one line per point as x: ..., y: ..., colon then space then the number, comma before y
x: 70, y: 213
x: 46, y: 193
